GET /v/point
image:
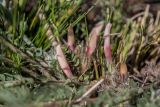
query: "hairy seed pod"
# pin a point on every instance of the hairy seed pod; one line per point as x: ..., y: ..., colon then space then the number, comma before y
x: 107, y: 46
x: 93, y: 36
x: 63, y: 62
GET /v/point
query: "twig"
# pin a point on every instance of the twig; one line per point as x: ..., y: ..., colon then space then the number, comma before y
x: 145, y: 81
x: 93, y: 88
x: 135, y: 78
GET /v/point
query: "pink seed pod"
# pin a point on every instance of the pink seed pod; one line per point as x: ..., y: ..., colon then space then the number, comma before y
x: 107, y: 46
x: 71, y: 39
x: 93, y: 38
x: 63, y: 62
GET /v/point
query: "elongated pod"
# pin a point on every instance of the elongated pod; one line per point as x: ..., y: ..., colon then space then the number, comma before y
x: 107, y: 45
x: 63, y: 62
x: 93, y: 38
